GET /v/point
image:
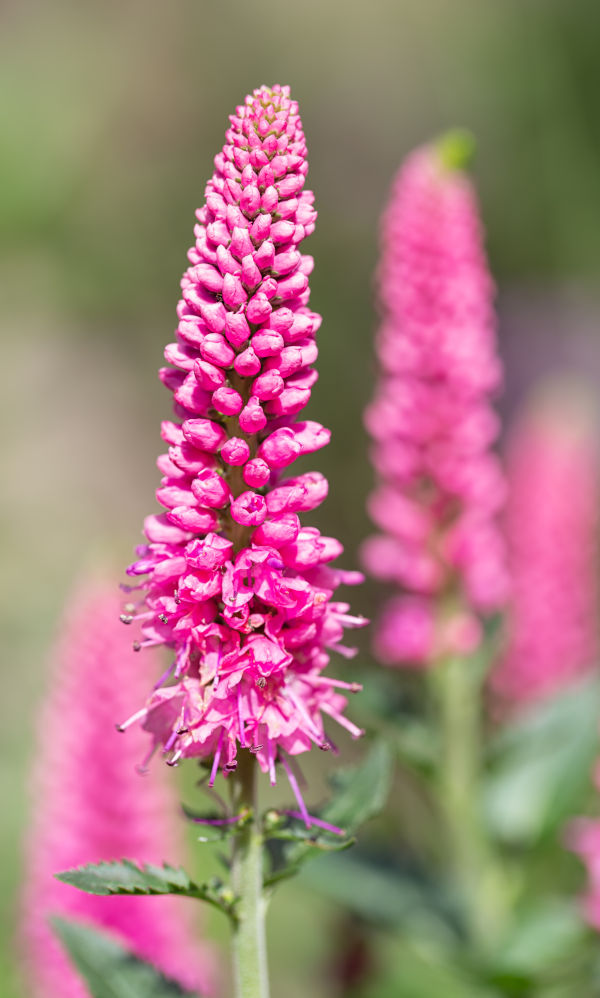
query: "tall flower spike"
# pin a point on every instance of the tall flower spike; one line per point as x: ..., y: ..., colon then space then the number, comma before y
x: 552, y: 533
x: 91, y: 804
x: 234, y: 585
x: 438, y: 487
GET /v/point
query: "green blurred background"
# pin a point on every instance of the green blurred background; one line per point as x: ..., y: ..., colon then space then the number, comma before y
x: 111, y: 116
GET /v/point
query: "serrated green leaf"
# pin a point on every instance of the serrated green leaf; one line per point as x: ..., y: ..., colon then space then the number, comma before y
x: 541, y: 765
x: 126, y: 877
x: 111, y: 971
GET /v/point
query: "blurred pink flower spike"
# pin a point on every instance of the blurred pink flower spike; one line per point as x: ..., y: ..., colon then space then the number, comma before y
x: 233, y: 584
x: 438, y: 486
x: 90, y: 805
x: 552, y: 531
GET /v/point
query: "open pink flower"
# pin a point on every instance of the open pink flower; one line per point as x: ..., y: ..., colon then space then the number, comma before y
x: 231, y: 581
x: 552, y: 532
x: 438, y: 488
x: 90, y: 803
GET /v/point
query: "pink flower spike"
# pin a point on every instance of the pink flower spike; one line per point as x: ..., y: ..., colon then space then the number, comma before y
x: 90, y: 804
x: 552, y: 529
x: 438, y: 488
x: 239, y: 592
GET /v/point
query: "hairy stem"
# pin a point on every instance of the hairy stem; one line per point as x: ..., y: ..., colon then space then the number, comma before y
x: 249, y: 942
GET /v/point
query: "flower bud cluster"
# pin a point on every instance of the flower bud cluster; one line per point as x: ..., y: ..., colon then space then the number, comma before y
x: 234, y: 583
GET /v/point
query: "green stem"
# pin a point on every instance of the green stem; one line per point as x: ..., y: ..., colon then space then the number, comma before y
x: 249, y: 943
x: 481, y: 883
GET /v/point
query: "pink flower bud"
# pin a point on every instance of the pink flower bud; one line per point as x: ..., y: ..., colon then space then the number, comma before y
x: 233, y: 291
x: 206, y: 275
x: 251, y: 275
x: 247, y: 363
x: 193, y: 519
x: 267, y: 343
x: 216, y: 350
x: 282, y: 232
x: 252, y: 417
x: 227, y: 401
x: 204, y: 434
x: 210, y: 489
x: 241, y: 244
x: 268, y: 385
x: 258, y: 308
x: 256, y: 473
x: 280, y: 448
x: 236, y: 451
x: 289, y: 402
x: 208, y: 376
x: 265, y: 255
x: 282, y: 320
x: 237, y: 329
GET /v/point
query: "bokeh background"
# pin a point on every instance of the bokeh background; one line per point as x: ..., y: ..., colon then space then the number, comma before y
x: 112, y: 111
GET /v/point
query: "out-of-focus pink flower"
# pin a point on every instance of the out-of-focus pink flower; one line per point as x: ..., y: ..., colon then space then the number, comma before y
x: 232, y: 582
x: 90, y: 804
x: 552, y: 532
x: 583, y: 837
x: 439, y: 488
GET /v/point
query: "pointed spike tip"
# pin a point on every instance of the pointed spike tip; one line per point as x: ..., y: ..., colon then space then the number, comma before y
x: 456, y: 149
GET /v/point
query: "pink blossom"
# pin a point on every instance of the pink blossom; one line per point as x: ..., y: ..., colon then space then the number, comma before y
x: 438, y: 487
x: 233, y: 583
x: 90, y: 804
x: 552, y: 532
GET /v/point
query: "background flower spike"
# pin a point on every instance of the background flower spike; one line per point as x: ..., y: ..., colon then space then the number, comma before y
x: 439, y: 487
x: 90, y: 804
